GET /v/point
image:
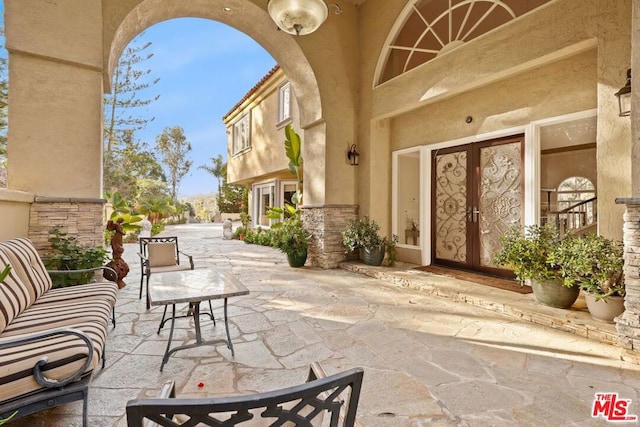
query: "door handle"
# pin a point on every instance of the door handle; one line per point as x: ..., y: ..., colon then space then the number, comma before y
x: 472, y: 214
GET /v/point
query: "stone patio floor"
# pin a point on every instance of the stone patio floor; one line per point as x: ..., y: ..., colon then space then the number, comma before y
x: 435, y: 350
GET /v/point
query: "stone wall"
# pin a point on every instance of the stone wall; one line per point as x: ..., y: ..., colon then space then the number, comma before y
x: 327, y: 223
x: 83, y: 218
x: 628, y: 324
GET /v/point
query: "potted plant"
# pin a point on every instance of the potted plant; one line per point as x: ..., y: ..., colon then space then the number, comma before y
x: 291, y: 238
x: 528, y: 255
x: 594, y: 264
x: 362, y: 235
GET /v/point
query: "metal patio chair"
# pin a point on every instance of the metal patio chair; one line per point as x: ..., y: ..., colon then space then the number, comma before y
x: 335, y: 396
x: 159, y: 255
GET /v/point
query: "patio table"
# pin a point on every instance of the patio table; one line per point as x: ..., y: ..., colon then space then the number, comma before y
x: 193, y: 287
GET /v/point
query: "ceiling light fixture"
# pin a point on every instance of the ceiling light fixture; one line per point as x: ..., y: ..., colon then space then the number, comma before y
x: 299, y: 17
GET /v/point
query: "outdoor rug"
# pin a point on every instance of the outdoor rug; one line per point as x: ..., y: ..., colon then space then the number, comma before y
x: 506, y: 284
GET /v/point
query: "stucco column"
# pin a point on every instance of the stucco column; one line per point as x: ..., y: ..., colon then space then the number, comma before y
x: 635, y: 99
x: 55, y: 97
x: 378, y: 174
x: 613, y: 132
x: 628, y: 324
x: 55, y: 113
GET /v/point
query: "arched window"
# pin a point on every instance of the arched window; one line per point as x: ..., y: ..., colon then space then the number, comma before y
x: 428, y: 28
x: 574, y: 190
x: 570, y: 193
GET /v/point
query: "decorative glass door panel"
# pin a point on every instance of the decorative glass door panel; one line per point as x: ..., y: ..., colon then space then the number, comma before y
x: 477, y: 194
x: 451, y: 206
x: 500, y: 196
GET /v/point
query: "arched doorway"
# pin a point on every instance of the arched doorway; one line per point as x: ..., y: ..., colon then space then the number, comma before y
x: 64, y: 66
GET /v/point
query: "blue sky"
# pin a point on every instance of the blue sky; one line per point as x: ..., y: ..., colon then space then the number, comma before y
x: 205, y: 68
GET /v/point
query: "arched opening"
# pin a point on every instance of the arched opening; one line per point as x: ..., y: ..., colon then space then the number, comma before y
x: 239, y: 14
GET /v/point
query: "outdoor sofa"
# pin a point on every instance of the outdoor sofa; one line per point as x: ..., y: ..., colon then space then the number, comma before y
x: 51, y: 340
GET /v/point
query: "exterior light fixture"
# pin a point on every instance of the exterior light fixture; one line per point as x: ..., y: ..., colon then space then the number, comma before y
x: 624, y: 97
x: 299, y: 17
x: 353, y: 155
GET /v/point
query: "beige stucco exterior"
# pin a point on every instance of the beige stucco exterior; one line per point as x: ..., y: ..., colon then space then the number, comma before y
x: 266, y: 158
x: 565, y: 57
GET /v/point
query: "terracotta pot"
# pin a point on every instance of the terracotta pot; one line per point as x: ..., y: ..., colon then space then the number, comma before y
x: 605, y: 310
x: 554, y: 294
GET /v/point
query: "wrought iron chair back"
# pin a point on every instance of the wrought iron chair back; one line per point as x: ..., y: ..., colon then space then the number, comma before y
x: 335, y: 396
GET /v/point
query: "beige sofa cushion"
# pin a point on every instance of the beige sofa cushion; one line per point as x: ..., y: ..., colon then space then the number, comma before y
x: 26, y: 262
x: 161, y: 254
x: 66, y: 355
x: 107, y: 291
x: 43, y: 317
x: 14, y: 295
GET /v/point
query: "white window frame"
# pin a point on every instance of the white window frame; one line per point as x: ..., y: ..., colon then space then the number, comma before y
x: 281, y: 186
x: 284, y: 104
x: 242, y: 134
x: 258, y: 191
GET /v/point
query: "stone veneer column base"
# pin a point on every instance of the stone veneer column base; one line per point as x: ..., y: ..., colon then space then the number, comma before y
x: 326, y: 223
x: 82, y: 218
x: 628, y: 323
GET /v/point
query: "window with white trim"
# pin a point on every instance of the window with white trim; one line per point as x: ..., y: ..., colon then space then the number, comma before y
x: 287, y: 190
x: 242, y: 134
x: 284, y: 103
x: 264, y: 198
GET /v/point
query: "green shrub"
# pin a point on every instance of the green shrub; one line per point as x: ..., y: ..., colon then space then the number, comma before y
x: 592, y: 262
x: 157, y: 229
x: 240, y: 233
x: 67, y: 254
x: 529, y: 253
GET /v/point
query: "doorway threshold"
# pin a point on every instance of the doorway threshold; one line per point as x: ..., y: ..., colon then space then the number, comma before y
x: 477, y: 278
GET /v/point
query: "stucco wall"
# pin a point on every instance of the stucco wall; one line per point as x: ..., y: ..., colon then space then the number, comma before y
x: 14, y: 211
x: 555, y: 89
x: 266, y: 157
x: 55, y: 97
x: 568, y: 56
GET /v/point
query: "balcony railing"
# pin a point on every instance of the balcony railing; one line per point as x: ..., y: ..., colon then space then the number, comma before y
x: 578, y: 218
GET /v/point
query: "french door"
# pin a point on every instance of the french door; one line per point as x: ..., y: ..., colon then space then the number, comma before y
x: 477, y: 195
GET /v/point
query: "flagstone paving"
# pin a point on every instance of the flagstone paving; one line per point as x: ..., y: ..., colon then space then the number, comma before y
x: 428, y: 360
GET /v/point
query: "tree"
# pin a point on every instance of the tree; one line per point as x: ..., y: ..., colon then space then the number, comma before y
x: 218, y: 170
x: 233, y: 198
x: 122, y: 107
x: 156, y: 208
x: 174, y: 147
x: 129, y: 165
x: 123, y: 116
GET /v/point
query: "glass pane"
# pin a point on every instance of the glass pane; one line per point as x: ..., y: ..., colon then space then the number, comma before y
x: 500, y: 196
x: 451, y: 206
x: 408, y: 206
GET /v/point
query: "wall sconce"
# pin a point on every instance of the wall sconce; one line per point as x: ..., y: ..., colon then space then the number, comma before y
x: 624, y: 97
x: 299, y: 17
x: 353, y: 155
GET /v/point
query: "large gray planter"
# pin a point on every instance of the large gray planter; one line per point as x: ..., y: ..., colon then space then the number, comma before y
x: 372, y: 256
x: 554, y: 294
